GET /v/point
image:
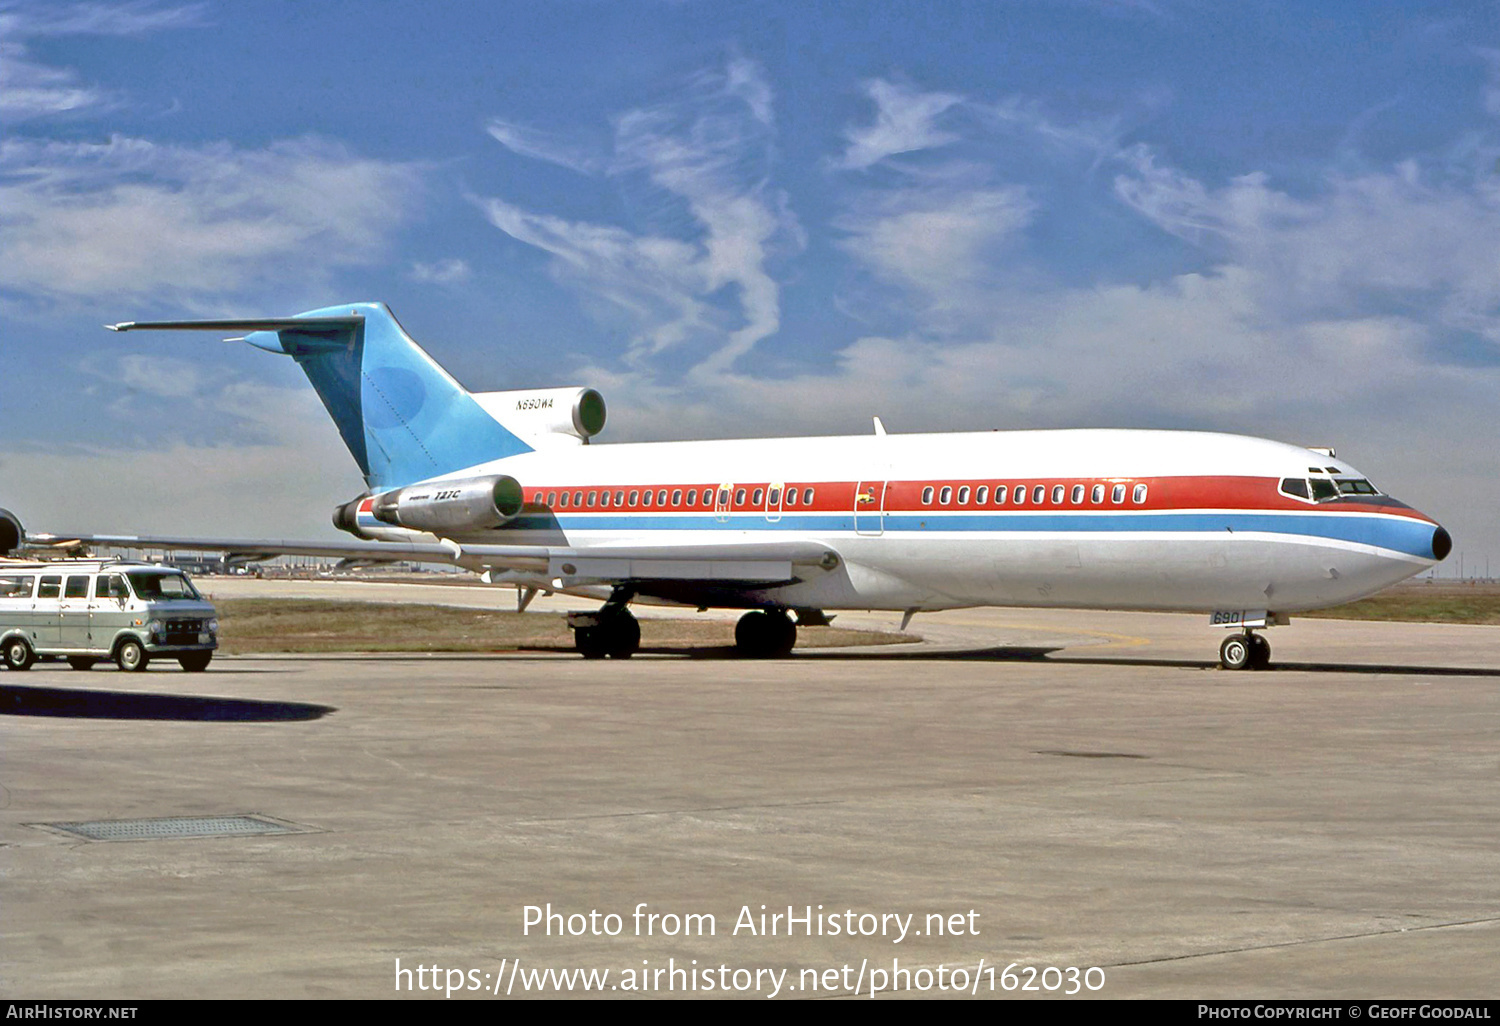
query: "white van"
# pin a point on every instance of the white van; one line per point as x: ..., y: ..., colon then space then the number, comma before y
x: 88, y: 610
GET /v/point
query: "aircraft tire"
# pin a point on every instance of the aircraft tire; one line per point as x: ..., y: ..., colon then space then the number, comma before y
x: 622, y: 635
x: 82, y: 662
x: 765, y: 635
x: 1236, y: 652
x: 195, y: 662
x: 18, y: 654
x: 131, y: 656
x: 590, y: 642
x: 1260, y: 652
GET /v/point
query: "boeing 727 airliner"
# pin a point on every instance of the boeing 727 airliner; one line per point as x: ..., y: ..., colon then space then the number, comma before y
x: 506, y: 484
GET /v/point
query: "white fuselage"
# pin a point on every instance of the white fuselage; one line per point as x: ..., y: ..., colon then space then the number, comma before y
x: 1089, y: 518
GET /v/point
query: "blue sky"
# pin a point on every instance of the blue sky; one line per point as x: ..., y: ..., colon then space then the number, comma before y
x: 733, y: 219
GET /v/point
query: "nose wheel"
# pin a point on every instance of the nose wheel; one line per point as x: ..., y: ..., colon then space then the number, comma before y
x: 1248, y: 651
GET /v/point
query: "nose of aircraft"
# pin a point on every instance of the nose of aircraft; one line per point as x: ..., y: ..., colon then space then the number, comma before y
x: 1442, y: 544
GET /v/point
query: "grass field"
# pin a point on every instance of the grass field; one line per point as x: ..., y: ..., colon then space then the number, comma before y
x: 306, y: 625
x: 1424, y: 602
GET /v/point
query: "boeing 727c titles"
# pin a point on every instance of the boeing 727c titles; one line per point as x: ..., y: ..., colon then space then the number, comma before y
x: 506, y: 484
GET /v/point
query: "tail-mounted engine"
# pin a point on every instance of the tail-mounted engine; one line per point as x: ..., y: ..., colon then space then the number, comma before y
x: 437, y: 507
x: 547, y: 415
x: 11, y: 532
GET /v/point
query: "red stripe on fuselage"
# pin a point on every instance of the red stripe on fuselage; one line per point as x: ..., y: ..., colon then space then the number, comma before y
x: 1162, y: 494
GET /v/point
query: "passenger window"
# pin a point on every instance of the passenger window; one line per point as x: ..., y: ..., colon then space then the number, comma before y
x: 635, y: 497
x: 677, y: 496
x: 807, y: 496
x: 1020, y: 494
x: 78, y: 587
x: 774, y: 498
x: 1057, y: 494
x: 592, y: 497
x: 739, y: 496
x: 981, y: 495
x: 49, y: 588
x: 1139, y: 495
x: 577, y: 499
x: 564, y: 500
x: 604, y: 498
x: 723, y: 496
x: 1039, y: 494
x: 755, y: 499
x: 619, y: 498
x: 791, y: 496
x: 692, y: 497
x: 15, y: 587
x: 1077, y: 495
x: 963, y: 495
x: 661, y: 497
x: 646, y: 498
x: 1118, y: 494
x: 551, y: 499
x: 945, y: 495
x: 1098, y: 494
x: 927, y: 496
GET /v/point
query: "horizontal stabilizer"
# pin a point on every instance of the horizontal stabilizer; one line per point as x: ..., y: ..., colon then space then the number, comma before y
x: 310, y: 325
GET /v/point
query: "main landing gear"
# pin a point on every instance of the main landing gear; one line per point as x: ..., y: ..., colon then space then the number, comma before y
x: 765, y: 634
x: 613, y: 631
x: 1247, y: 651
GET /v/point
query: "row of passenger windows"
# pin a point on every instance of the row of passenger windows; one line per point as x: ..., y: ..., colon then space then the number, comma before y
x: 1039, y: 494
x: 604, y: 499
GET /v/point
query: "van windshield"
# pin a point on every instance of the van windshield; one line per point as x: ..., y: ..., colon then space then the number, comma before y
x: 157, y: 587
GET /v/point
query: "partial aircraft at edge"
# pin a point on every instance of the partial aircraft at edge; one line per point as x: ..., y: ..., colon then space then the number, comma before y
x: 506, y: 484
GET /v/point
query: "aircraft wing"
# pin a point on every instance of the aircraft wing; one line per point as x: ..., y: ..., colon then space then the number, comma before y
x: 675, y: 568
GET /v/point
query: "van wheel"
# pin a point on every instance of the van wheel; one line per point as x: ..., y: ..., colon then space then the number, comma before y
x: 131, y: 657
x: 195, y: 662
x: 81, y: 662
x: 18, y: 654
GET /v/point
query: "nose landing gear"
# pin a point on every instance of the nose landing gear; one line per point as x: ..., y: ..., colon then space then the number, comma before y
x: 1247, y: 651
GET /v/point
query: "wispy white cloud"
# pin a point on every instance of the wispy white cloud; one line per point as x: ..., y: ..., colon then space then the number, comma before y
x: 441, y: 272
x: 705, y: 156
x: 130, y: 218
x: 906, y: 120
x: 542, y: 145
x: 30, y: 89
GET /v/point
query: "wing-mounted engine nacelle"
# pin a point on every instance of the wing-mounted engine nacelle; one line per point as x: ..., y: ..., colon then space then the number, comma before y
x: 451, y: 507
x: 11, y: 532
x: 542, y: 414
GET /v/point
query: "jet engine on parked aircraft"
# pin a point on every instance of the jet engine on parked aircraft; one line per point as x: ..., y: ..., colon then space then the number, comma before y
x: 11, y: 532
x: 540, y: 414
x: 449, y: 507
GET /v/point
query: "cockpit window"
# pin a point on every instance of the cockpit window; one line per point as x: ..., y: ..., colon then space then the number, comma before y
x: 1294, y: 486
x: 1322, y: 489
x: 152, y: 587
x: 1358, y: 486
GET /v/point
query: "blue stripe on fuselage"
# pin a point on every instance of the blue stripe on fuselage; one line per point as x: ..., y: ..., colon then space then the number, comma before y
x: 1399, y: 534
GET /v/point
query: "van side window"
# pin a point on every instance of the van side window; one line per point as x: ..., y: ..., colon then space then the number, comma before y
x: 16, y: 587
x: 78, y: 587
x: 50, y: 588
x: 110, y: 586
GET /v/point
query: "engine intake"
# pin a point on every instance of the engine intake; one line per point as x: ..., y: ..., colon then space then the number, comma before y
x: 11, y: 532
x: 448, y: 507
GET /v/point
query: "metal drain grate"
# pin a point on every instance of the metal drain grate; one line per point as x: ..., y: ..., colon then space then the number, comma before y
x: 175, y: 826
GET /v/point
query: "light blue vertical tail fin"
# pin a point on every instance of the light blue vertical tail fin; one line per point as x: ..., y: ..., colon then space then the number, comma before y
x: 402, y: 416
